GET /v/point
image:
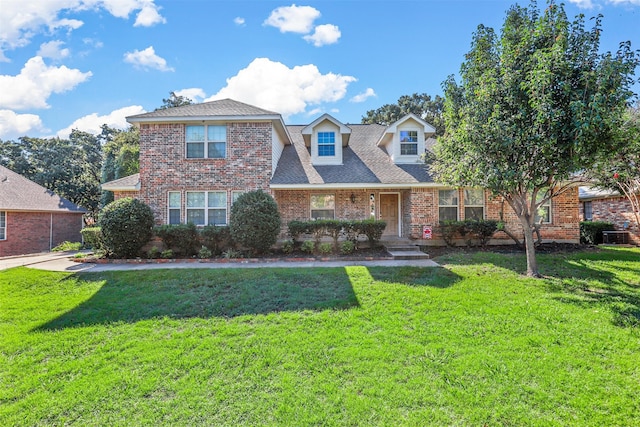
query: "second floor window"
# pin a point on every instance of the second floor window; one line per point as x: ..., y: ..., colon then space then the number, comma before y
x: 326, y: 144
x: 409, y: 142
x: 206, y: 141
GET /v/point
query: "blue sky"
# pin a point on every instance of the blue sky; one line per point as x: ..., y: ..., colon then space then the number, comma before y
x: 68, y: 64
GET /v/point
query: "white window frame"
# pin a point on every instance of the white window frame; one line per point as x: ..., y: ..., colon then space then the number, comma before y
x: 469, y: 205
x: 3, y: 225
x: 174, y: 208
x: 546, y: 206
x: 584, y: 210
x: 408, y: 143
x: 206, y: 208
x: 456, y: 206
x: 206, y: 141
x: 327, y: 144
x: 312, y: 209
x: 235, y: 194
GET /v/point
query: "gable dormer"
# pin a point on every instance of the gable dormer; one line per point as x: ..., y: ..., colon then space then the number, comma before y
x: 405, y: 139
x: 326, y: 137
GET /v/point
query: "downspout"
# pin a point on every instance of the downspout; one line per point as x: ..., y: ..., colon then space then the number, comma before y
x: 51, y: 232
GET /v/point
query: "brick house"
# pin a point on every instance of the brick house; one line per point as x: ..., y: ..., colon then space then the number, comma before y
x: 32, y: 218
x: 196, y: 159
x: 609, y: 206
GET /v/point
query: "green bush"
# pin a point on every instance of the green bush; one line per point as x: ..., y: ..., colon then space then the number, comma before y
x: 183, y: 239
x: 204, y: 253
x: 450, y: 230
x: 296, y: 228
x: 591, y: 231
x: 217, y: 238
x: 153, y: 253
x: 67, y: 246
x: 166, y: 254
x: 255, y: 221
x: 373, y: 229
x: 470, y: 230
x: 308, y: 246
x: 287, y: 246
x: 325, y: 248
x: 335, y: 229
x: 347, y: 247
x: 92, y: 237
x: 127, y: 225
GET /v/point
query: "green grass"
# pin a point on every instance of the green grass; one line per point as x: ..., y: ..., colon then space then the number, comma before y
x: 473, y: 343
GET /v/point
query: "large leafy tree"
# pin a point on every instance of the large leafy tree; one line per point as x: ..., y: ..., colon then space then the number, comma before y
x: 121, y: 149
x: 619, y: 170
x: 420, y: 104
x: 535, y: 106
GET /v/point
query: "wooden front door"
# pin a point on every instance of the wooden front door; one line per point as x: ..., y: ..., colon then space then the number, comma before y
x: 389, y: 213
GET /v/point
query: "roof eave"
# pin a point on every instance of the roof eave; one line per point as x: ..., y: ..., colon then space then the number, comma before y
x: 359, y: 185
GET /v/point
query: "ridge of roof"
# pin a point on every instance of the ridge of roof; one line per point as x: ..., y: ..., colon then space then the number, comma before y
x: 221, y: 107
x: 18, y: 193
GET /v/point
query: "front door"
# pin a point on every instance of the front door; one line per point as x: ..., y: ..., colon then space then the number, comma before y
x: 389, y: 213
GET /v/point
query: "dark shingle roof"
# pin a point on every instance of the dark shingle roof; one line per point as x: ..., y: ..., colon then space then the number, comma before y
x: 363, y: 163
x: 223, y: 107
x: 17, y: 193
x: 589, y: 193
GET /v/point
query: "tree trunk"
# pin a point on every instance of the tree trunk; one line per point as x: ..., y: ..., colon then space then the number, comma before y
x: 529, y: 243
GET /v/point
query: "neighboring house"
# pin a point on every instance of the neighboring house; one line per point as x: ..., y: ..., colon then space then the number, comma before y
x: 32, y: 218
x: 609, y: 206
x: 196, y: 159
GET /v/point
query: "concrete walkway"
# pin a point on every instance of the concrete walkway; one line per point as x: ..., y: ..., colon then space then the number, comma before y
x: 61, y: 261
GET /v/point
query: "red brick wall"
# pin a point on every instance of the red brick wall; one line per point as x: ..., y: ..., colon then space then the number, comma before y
x: 164, y: 166
x: 616, y: 210
x: 122, y: 194
x: 29, y: 232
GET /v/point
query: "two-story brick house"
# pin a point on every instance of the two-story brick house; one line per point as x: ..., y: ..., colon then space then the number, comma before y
x: 196, y: 159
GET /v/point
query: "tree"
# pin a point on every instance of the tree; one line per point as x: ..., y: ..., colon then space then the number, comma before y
x: 620, y: 170
x: 534, y: 107
x: 422, y: 105
x: 121, y: 149
x: 174, y: 101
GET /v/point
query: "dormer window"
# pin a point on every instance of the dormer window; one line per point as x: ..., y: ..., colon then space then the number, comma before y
x: 408, y: 142
x: 326, y: 144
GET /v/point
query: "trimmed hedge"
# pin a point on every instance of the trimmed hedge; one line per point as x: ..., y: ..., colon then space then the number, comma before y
x: 333, y: 228
x: 182, y: 239
x: 127, y: 225
x: 470, y: 229
x: 255, y: 221
x: 217, y: 238
x: 92, y: 237
x: 591, y: 231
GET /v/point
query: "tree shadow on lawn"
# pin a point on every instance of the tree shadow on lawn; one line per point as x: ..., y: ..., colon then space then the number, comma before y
x: 131, y: 296
x: 585, y: 278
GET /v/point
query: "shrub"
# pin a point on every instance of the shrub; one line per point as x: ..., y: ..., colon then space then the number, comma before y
x: 67, y: 246
x: 127, y: 225
x: 166, y: 254
x: 153, y: 253
x: 92, y: 237
x: 591, y: 231
x: 325, y: 248
x: 308, y: 246
x: 217, y: 238
x: 347, y: 247
x: 183, y: 239
x: 232, y: 253
x: 481, y: 230
x: 204, y: 253
x: 373, y: 229
x: 296, y: 228
x: 255, y: 221
x: 450, y: 229
x: 287, y: 246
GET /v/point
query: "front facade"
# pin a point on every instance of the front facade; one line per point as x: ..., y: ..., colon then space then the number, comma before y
x: 32, y: 218
x: 195, y: 160
x: 609, y: 206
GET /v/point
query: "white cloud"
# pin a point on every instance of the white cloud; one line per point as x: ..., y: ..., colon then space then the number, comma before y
x: 195, y: 93
x: 93, y: 122
x: 361, y: 97
x: 146, y: 60
x: 274, y: 86
x: 53, y: 50
x: 239, y: 21
x: 36, y: 82
x: 293, y: 19
x: 583, y: 4
x: 623, y: 2
x: 14, y: 125
x: 21, y: 20
x: 324, y: 34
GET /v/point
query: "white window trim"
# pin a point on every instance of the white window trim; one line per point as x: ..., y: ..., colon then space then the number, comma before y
x: 318, y: 144
x: 549, y: 204
x: 206, y: 206
x: 322, y: 194
x: 457, y: 206
x: 416, y: 143
x: 234, y: 193
x: 205, y: 142
x: 584, y: 210
x: 169, y: 208
x: 4, y: 229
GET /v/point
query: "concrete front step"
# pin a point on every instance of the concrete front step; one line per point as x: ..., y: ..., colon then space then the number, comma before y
x: 403, y: 249
x: 408, y: 255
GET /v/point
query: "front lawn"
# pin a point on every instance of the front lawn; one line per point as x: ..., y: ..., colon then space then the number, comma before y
x: 473, y: 343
